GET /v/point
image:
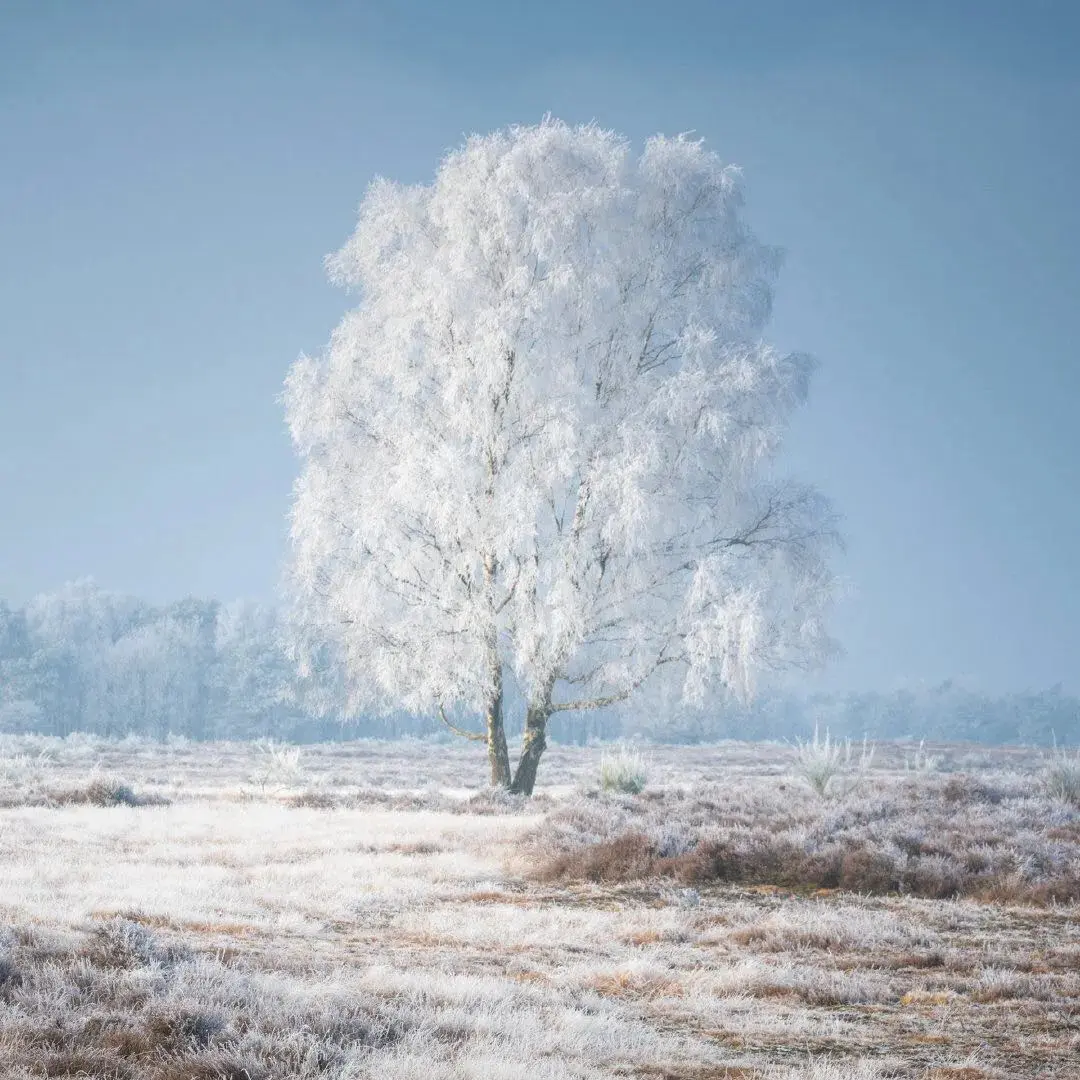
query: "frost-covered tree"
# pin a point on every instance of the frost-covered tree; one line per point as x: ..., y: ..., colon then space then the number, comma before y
x: 539, y: 448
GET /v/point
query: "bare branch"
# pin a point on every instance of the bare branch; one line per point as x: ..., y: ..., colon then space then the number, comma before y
x: 615, y: 698
x: 472, y: 736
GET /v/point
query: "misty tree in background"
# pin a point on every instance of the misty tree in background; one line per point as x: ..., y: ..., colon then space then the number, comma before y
x: 539, y: 448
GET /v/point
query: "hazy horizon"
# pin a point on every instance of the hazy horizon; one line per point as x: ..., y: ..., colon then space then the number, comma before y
x: 175, y: 180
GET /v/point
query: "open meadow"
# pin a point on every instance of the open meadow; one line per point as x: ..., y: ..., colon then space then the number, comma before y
x: 190, y: 911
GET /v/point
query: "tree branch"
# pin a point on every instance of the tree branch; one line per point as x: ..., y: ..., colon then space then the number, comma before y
x: 611, y: 699
x: 472, y: 736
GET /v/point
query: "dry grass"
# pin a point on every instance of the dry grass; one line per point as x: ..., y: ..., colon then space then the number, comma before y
x: 1062, y: 776
x: 624, y: 770
x: 994, y: 838
x: 96, y: 791
x: 353, y: 927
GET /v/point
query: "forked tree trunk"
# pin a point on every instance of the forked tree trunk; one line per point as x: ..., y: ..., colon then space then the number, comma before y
x: 532, y: 746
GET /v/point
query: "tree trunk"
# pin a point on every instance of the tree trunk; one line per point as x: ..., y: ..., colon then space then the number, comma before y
x: 532, y: 746
x: 498, y: 755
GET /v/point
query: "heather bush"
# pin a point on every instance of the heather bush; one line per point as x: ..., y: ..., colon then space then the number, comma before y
x: 96, y: 790
x: 99, y: 792
x: 996, y: 838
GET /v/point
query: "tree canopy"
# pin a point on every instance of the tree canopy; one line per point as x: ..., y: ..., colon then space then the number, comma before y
x: 540, y: 447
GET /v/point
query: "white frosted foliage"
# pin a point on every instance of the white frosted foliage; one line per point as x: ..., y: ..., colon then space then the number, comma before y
x: 541, y: 445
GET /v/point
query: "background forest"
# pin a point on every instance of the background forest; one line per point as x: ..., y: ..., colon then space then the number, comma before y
x: 86, y: 659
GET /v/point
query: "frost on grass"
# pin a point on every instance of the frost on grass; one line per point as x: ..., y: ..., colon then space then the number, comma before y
x: 280, y: 765
x: 830, y: 767
x: 623, y: 770
x: 1063, y: 776
x: 121, y: 1003
x: 994, y: 837
x: 26, y: 789
x: 401, y: 935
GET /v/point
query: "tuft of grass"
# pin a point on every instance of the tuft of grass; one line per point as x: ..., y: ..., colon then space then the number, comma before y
x: 1062, y: 777
x: 126, y: 944
x: 623, y: 770
x: 921, y: 762
x: 819, y: 761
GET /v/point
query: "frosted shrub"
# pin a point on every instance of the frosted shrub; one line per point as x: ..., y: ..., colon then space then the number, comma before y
x: 279, y: 765
x: 101, y: 790
x: 1062, y: 777
x: 819, y: 761
x: 623, y: 770
x: 675, y: 840
x: 20, y: 768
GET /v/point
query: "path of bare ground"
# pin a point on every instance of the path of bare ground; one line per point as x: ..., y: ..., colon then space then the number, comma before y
x: 375, y: 930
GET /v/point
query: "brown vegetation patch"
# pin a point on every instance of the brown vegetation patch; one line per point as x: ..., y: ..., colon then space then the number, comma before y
x: 103, y: 792
x: 699, y: 1072
x: 928, y: 997
x: 1069, y: 832
x: 936, y: 838
x: 919, y: 960
x: 495, y: 896
x: 534, y: 978
x: 963, y: 787
x: 630, y: 857
x: 314, y: 800
x: 643, y: 937
x: 633, y: 857
x: 960, y: 1072
x: 771, y: 990
x: 1014, y: 890
x: 630, y: 984
x: 215, y: 1066
x: 167, y: 922
x: 418, y: 847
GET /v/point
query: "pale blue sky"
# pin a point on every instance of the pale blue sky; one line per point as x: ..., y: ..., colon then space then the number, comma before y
x: 171, y: 175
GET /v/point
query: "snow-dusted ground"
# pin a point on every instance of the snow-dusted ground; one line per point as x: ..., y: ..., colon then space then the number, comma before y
x: 357, y: 910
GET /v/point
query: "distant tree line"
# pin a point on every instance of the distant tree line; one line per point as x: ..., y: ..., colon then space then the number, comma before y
x: 947, y: 712
x: 85, y: 659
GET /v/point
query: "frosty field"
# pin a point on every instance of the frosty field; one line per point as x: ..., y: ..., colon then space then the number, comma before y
x: 366, y: 910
